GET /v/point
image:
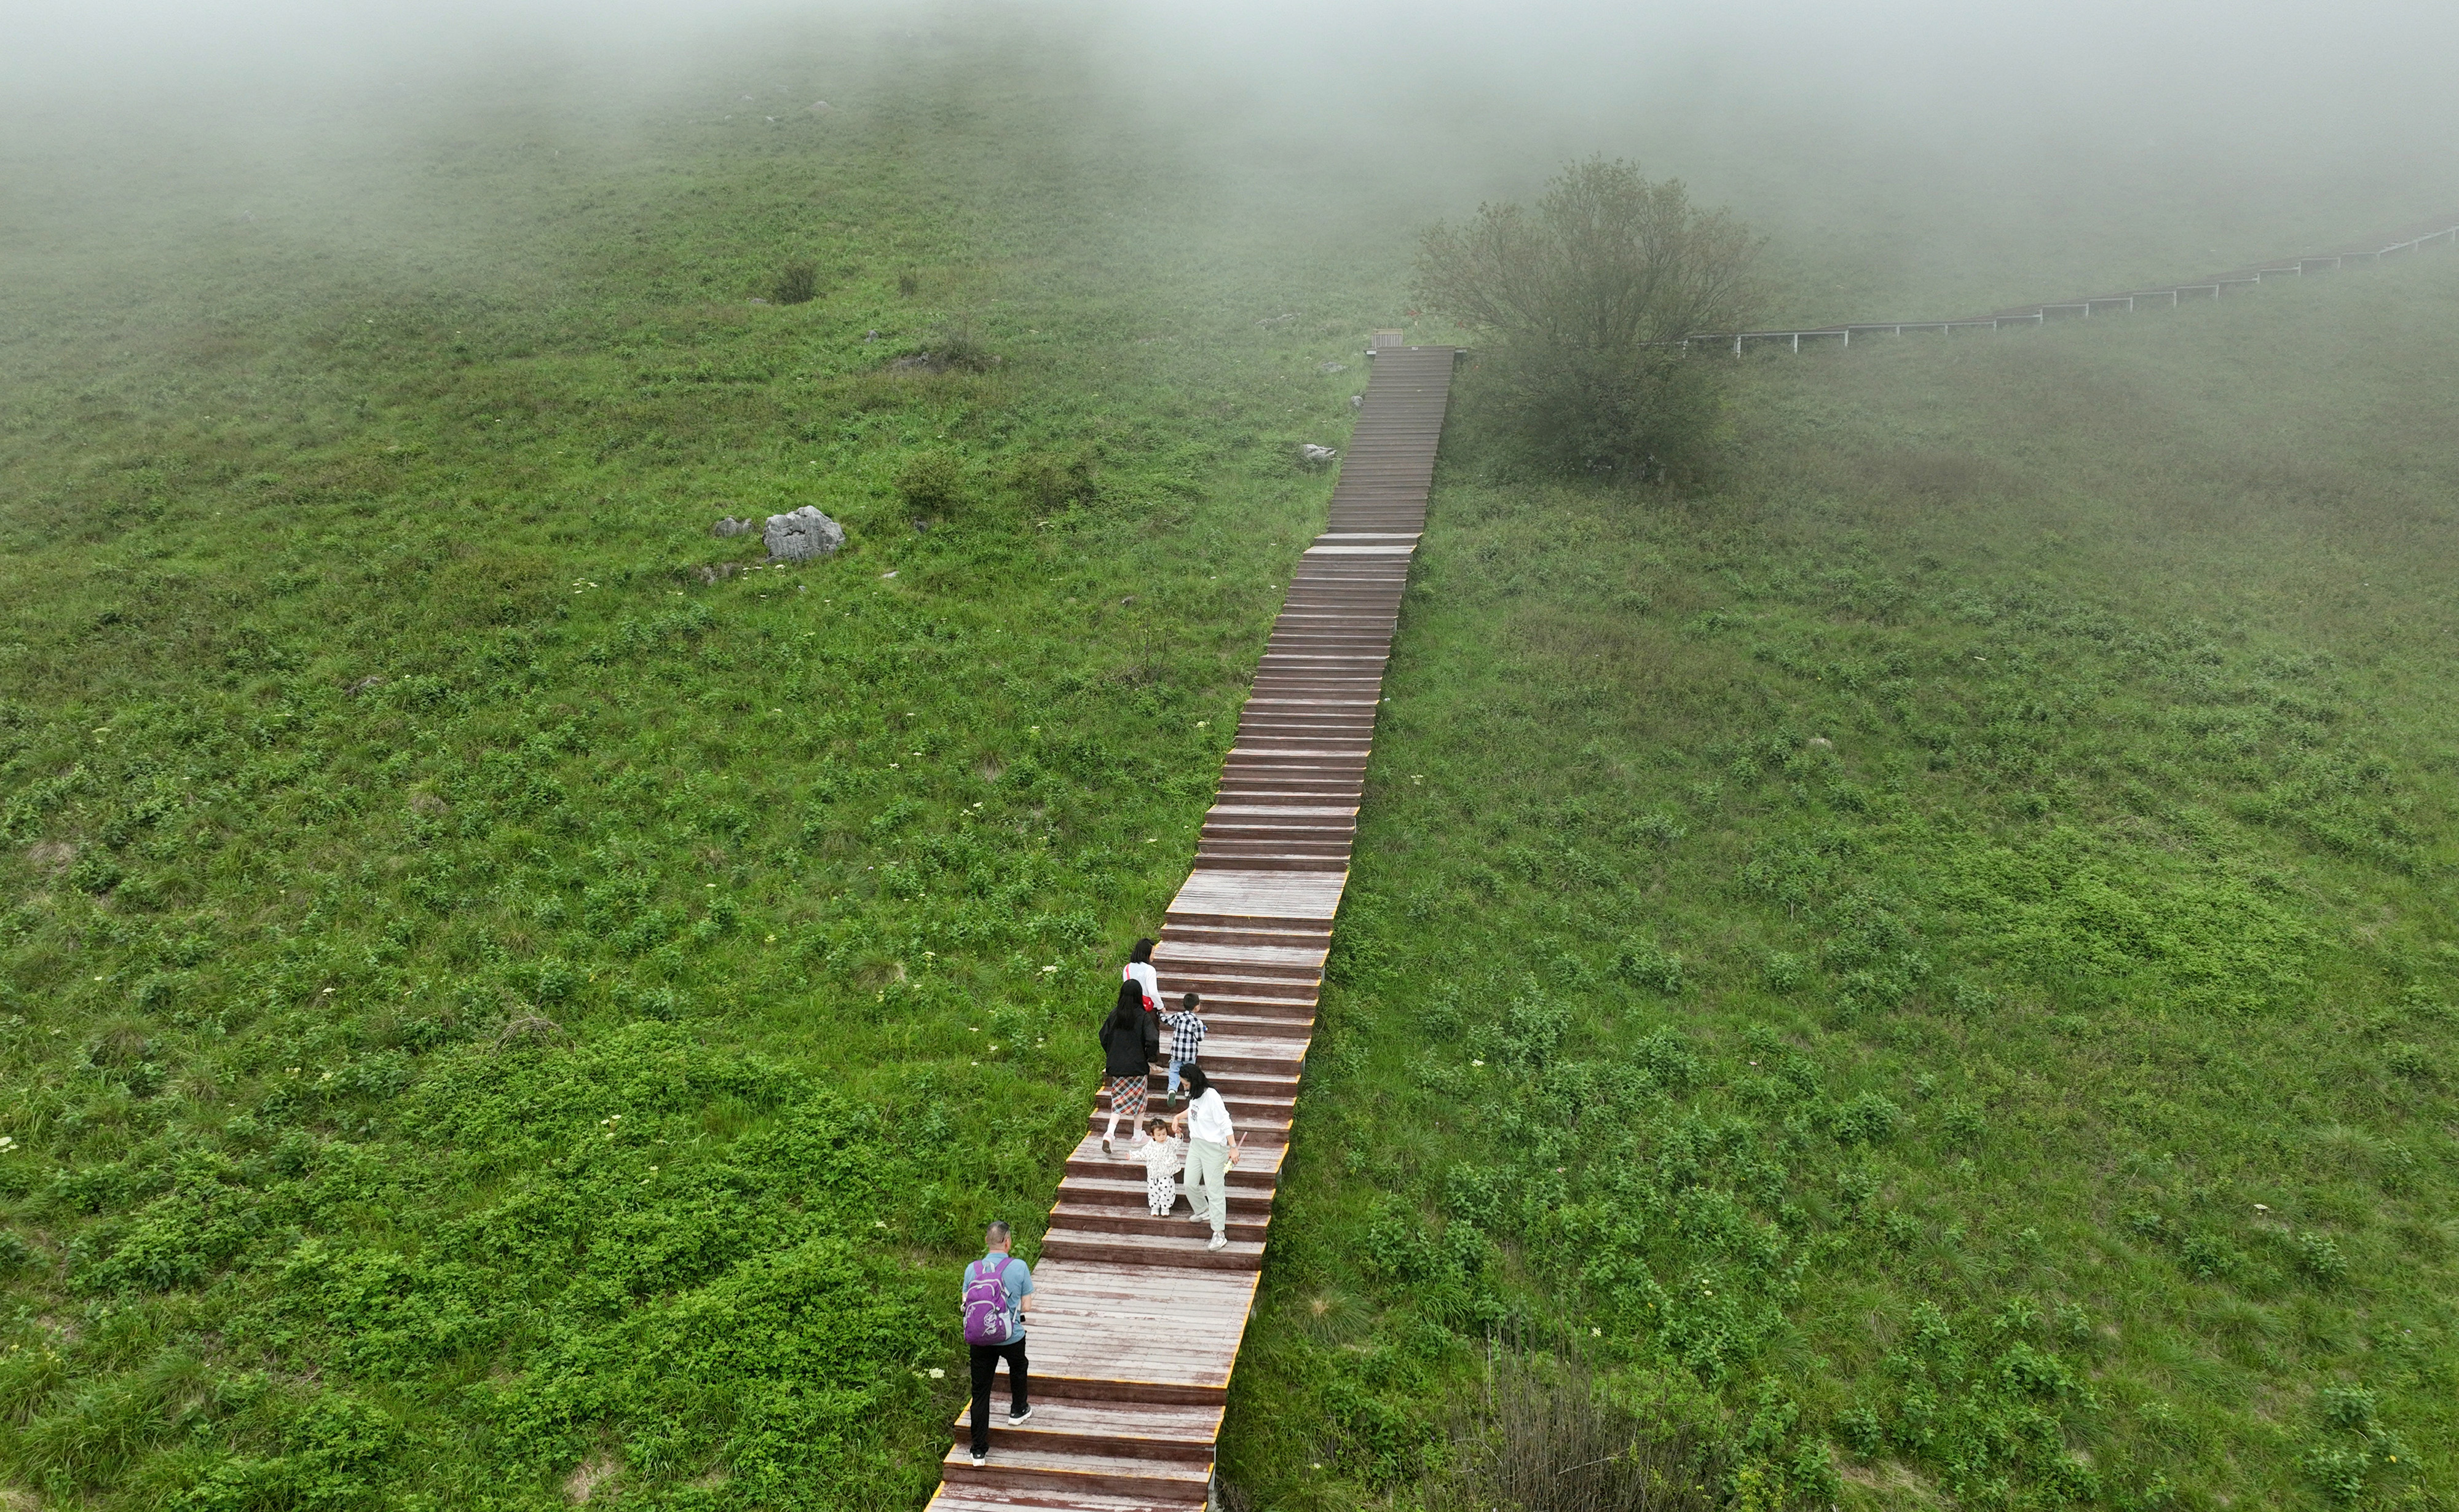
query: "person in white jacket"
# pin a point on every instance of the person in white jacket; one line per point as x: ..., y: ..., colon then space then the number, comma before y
x: 1211, y: 1149
x: 1140, y: 971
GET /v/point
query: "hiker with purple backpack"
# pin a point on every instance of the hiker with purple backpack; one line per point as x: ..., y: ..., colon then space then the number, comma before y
x: 999, y: 1290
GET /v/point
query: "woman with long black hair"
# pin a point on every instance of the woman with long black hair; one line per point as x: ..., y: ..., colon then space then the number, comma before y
x: 1130, y: 1043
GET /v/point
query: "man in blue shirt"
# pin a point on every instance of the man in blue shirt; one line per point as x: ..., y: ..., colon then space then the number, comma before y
x: 1015, y: 1277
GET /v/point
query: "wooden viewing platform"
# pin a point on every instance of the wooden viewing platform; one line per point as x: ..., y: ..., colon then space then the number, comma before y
x: 1135, y: 1325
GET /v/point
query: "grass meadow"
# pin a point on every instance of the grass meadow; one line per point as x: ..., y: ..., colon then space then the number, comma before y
x: 1926, y: 955
x: 499, y: 985
x: 1931, y: 953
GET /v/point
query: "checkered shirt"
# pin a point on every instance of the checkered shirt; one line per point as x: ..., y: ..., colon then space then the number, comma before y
x: 1185, y: 1035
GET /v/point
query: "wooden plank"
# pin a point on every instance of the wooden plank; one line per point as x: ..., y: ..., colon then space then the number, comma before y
x: 1262, y: 895
x: 1131, y: 1312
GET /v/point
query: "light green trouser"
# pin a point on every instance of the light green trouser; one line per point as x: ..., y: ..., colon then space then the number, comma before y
x: 1208, y: 1172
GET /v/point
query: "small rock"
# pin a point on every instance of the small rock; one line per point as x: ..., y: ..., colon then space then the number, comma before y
x: 886, y: 575
x: 1315, y: 455
x: 821, y: 107
x: 729, y: 527
x: 1820, y: 743
x: 757, y: 300
x: 1331, y: 367
x: 365, y: 683
x: 802, y: 534
x: 1358, y: 401
x: 870, y: 336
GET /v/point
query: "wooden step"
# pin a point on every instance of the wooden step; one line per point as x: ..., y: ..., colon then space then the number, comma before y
x: 988, y: 1497
x: 1107, y: 1218
x: 1235, y: 1083
x: 1255, y: 1117
x: 1187, y: 1253
x: 1129, y: 1429
x: 1236, y: 1023
x: 1149, y: 1479
x: 1238, y: 984
x: 1246, y: 1201
x: 1258, y: 1164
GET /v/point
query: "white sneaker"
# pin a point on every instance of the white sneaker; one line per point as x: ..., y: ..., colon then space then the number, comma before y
x: 980, y: 1460
x: 1195, y: 1218
x: 1015, y: 1418
x: 1219, y: 1242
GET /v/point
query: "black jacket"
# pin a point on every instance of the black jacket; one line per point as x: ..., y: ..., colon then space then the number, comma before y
x: 1131, y: 1053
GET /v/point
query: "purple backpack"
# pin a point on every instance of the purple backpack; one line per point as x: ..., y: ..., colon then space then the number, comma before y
x: 988, y: 1319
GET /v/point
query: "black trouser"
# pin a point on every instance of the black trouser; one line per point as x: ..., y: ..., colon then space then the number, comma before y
x: 986, y: 1359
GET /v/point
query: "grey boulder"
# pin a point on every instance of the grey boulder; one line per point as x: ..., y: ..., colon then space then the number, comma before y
x: 802, y: 534
x: 731, y: 526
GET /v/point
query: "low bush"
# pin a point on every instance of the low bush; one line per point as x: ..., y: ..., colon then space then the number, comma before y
x: 934, y: 483
x: 1543, y: 1437
x: 798, y: 284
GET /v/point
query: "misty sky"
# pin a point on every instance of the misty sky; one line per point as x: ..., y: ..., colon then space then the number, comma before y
x: 2191, y: 68
x: 1887, y: 130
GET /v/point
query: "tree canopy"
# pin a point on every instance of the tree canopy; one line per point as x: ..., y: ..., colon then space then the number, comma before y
x: 1589, y: 296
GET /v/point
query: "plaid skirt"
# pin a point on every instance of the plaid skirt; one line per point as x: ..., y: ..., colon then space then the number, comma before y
x: 1127, y: 1095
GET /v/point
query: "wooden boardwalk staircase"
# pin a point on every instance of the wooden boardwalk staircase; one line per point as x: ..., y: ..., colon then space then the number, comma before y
x: 1136, y: 1325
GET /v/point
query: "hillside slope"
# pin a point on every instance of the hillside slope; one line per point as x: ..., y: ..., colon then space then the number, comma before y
x: 497, y: 986
x: 498, y: 1000
x: 1938, y: 945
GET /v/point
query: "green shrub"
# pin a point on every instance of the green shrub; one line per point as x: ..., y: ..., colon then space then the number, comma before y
x: 1045, y: 482
x: 798, y: 284
x: 1547, y: 1438
x: 2346, y: 1409
x: 1642, y: 964
x: 1666, y: 1056
x: 933, y: 483
x: 958, y: 347
x: 1582, y: 297
x: 1962, y: 1125
x: 94, y: 871
x: 1868, y: 1118
x: 2319, y: 1256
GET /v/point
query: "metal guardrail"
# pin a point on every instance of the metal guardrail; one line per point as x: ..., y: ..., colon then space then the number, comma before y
x: 2445, y: 232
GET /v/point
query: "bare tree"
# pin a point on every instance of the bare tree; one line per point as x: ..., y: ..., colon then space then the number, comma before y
x: 1587, y: 297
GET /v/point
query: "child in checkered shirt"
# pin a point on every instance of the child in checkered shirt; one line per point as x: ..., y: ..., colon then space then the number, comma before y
x: 1185, y: 1039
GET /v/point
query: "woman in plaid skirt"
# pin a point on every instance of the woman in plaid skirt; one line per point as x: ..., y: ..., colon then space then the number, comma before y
x: 1130, y: 1043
